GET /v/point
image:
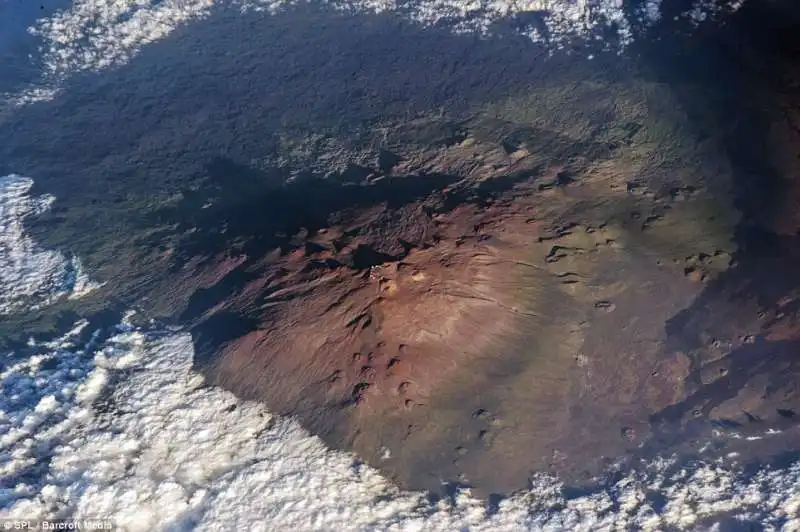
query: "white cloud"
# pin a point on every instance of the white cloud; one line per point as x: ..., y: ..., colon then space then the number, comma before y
x: 166, y: 453
x: 30, y: 276
x: 98, y: 34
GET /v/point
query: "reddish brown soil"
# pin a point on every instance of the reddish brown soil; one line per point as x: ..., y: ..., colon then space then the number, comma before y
x: 506, y: 322
x: 475, y: 314
x: 498, y: 325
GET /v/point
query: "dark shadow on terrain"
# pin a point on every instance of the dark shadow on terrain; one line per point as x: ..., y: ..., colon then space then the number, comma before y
x: 218, y: 330
x: 239, y: 204
x: 747, y: 60
x: 228, y: 88
x: 246, y: 206
x: 267, y: 216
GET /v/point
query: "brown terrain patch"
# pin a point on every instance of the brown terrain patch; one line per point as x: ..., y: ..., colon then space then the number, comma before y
x: 495, y: 326
x: 518, y: 314
x: 741, y: 337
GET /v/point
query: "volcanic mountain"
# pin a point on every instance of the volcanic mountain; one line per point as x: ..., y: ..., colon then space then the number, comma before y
x: 594, y: 263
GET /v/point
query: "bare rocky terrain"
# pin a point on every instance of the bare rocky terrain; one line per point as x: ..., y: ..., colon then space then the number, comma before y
x: 552, y: 275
